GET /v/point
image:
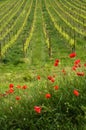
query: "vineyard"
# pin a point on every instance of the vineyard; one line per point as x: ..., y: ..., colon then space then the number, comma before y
x: 60, y: 24
x: 39, y: 38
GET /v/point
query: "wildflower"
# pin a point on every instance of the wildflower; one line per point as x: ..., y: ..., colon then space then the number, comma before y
x: 24, y: 87
x: 18, y: 98
x: 37, y: 109
x: 48, y: 95
x: 74, y: 68
x: 76, y: 93
x: 77, y: 61
x: 18, y: 86
x: 72, y: 55
x: 56, y: 62
x: 38, y: 77
x: 11, y: 86
x: 10, y: 91
x: 63, y: 71
x: 52, y: 80
x: 56, y: 87
x: 49, y: 77
x: 85, y: 64
x: 80, y: 73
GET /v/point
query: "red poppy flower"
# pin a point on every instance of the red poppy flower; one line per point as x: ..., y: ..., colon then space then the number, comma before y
x: 52, y: 80
x: 38, y: 77
x: 76, y: 93
x: 11, y: 86
x: 37, y: 109
x: 11, y: 90
x: 77, y: 61
x: 80, y: 73
x: 18, y: 86
x: 24, y: 87
x: 49, y: 77
x: 57, y: 60
x: 56, y: 64
x: 74, y: 68
x: 72, y: 55
x: 18, y: 98
x: 85, y: 64
x: 63, y: 71
x: 56, y: 87
x: 48, y: 95
x: 76, y: 65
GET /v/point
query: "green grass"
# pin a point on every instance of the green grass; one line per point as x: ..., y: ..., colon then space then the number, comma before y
x: 64, y: 110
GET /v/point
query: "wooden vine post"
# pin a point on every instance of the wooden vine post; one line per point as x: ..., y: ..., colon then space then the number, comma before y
x: 24, y: 52
x: 49, y: 50
x: 0, y: 51
x: 84, y: 26
x: 74, y: 46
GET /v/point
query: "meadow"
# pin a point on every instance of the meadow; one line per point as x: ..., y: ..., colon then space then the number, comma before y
x: 42, y: 65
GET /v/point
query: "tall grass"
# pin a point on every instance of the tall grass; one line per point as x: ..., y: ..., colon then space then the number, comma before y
x: 54, y: 100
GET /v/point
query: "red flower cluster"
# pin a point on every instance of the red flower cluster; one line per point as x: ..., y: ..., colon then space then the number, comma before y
x: 56, y: 62
x: 76, y: 64
x: 21, y: 87
x: 11, y: 89
x: 80, y: 73
x: 51, y: 78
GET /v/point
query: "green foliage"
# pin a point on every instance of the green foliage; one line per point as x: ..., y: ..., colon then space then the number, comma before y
x: 62, y: 111
x: 25, y: 62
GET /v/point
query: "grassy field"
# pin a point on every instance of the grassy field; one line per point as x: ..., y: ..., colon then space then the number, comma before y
x: 42, y: 65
